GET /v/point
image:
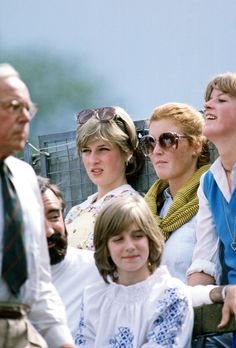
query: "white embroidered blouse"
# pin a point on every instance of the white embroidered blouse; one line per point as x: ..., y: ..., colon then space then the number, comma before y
x: 156, y: 312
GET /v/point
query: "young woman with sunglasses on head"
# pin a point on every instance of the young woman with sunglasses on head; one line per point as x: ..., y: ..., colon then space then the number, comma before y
x: 179, y: 153
x: 108, y: 144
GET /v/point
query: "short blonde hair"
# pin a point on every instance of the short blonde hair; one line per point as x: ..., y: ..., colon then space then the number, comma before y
x: 120, y: 131
x: 191, y: 123
x: 226, y: 83
x: 114, y: 218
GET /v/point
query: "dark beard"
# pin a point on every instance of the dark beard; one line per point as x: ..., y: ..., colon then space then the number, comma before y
x: 58, y: 252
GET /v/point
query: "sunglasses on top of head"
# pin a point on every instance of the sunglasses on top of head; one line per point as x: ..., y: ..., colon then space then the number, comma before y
x: 166, y: 140
x: 104, y: 114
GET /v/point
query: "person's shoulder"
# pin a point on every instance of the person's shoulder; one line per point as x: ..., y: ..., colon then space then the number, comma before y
x: 96, y: 292
x: 126, y: 189
x: 16, y: 164
x: 94, y: 298
x: 78, y: 264
x: 122, y: 190
x: 23, y: 173
x: 71, y: 213
x: 78, y: 208
x: 214, y: 173
x: 84, y: 256
x: 163, y: 277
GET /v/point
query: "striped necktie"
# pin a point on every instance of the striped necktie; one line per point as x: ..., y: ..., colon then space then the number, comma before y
x: 14, y: 264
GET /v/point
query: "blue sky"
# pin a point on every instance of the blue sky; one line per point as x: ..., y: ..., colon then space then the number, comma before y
x: 149, y: 52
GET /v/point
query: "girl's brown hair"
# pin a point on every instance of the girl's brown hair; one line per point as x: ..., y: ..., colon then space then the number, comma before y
x: 115, y: 217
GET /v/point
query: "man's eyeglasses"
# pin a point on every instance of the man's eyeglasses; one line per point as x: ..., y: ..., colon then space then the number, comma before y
x: 166, y: 141
x: 102, y: 114
x: 16, y: 107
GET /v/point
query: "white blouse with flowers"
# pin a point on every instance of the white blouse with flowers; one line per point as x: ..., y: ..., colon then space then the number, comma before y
x: 81, y: 218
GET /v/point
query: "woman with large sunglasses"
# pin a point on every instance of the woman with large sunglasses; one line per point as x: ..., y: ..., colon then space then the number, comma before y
x: 108, y: 144
x: 180, y: 155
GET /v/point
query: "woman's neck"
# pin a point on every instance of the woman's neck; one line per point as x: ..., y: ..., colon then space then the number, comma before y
x: 228, y: 173
x: 131, y: 278
x: 176, y: 184
x: 225, y: 148
x: 228, y: 161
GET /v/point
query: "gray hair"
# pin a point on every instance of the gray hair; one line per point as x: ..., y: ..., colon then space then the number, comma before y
x: 6, y: 70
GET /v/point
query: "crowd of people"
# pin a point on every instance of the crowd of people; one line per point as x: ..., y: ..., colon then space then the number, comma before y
x: 120, y: 269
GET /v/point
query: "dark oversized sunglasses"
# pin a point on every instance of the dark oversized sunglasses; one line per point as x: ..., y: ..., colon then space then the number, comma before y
x: 166, y: 141
x: 104, y: 114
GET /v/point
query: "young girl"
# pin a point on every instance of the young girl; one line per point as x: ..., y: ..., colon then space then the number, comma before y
x: 139, y: 304
x: 108, y: 143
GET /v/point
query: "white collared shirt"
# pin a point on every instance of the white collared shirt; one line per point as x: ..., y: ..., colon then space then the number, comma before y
x: 178, y: 249
x: 47, y: 310
x: 71, y: 276
x: 206, y: 256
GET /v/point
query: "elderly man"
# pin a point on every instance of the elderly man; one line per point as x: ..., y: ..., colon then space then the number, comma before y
x: 27, y: 295
x: 72, y: 269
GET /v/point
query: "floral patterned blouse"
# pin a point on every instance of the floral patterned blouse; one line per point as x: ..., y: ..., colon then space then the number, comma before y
x: 81, y: 218
x: 156, y: 312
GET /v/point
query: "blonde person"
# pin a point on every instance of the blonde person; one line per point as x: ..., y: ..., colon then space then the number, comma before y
x: 179, y: 153
x: 217, y: 195
x: 138, y: 304
x: 108, y: 144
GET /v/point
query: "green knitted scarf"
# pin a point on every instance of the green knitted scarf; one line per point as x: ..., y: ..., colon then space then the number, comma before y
x: 183, y: 207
